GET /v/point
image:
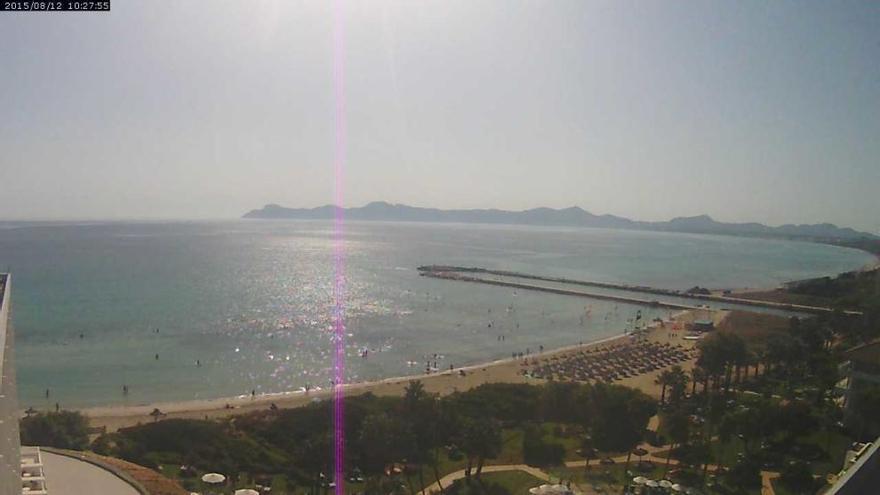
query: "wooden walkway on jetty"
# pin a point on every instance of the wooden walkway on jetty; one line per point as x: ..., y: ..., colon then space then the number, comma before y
x: 473, y: 274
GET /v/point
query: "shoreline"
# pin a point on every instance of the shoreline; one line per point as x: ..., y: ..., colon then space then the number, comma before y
x: 506, y: 370
x: 114, y: 416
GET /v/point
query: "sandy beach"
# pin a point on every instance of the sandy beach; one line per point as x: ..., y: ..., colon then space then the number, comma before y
x: 507, y: 370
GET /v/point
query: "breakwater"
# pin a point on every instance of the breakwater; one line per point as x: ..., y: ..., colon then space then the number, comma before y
x: 478, y: 275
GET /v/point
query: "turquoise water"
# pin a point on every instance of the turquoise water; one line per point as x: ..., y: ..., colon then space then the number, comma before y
x: 250, y: 300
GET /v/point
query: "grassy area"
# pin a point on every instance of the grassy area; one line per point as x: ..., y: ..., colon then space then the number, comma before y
x: 515, y: 482
x: 569, y: 436
x: 605, y: 477
x: 835, y: 444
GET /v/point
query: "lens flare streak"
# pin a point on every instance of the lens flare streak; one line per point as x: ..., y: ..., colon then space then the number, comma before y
x: 339, y: 158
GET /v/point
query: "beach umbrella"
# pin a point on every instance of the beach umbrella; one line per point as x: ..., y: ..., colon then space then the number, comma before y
x: 665, y: 484
x: 246, y: 491
x: 652, y: 484
x: 640, y: 480
x: 639, y: 452
x: 213, y: 478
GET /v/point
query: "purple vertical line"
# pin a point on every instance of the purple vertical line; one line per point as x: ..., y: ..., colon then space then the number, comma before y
x: 339, y: 157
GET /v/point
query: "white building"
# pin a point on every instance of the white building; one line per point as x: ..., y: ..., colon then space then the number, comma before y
x: 10, y: 461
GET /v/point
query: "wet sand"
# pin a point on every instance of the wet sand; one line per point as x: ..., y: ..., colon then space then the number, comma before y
x: 506, y: 371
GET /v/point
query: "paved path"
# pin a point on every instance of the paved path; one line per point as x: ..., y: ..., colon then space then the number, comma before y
x: 766, y: 486
x: 457, y: 475
x: 766, y: 476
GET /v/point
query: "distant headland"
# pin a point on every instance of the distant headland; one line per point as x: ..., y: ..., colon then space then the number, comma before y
x: 576, y: 217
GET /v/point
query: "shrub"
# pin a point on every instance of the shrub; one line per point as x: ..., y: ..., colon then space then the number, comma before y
x: 797, y: 477
x: 63, y: 430
x: 745, y: 473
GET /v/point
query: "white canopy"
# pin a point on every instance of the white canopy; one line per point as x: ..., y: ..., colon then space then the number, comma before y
x: 213, y: 478
x: 549, y: 490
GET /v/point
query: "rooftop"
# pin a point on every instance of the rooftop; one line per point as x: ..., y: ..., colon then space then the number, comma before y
x: 54, y: 473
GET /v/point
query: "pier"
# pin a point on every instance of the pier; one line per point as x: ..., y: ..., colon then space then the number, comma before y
x: 476, y: 274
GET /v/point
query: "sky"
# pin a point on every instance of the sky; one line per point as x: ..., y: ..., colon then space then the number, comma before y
x: 746, y: 111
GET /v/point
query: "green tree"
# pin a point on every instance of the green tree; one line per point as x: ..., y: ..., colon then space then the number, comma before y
x: 797, y: 419
x: 797, y: 478
x: 862, y: 411
x: 678, y: 382
x: 678, y: 428
x: 419, y: 419
x: 664, y: 379
x: 383, y: 437
x: 621, y: 416
x: 744, y: 475
x: 480, y: 440
x: 720, y: 354
x: 64, y: 430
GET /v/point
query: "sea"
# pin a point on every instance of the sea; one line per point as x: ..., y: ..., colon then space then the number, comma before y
x: 198, y: 310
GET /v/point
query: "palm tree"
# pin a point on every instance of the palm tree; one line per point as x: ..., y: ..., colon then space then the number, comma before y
x: 725, y: 431
x: 414, y: 394
x: 588, y: 452
x: 481, y: 440
x: 697, y: 376
x: 664, y: 379
x: 678, y: 381
x: 678, y: 426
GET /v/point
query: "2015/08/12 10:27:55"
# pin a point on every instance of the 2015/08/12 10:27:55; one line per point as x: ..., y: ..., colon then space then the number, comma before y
x: 57, y: 6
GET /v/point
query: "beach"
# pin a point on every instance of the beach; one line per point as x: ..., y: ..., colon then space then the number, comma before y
x: 508, y: 370
x: 231, y: 307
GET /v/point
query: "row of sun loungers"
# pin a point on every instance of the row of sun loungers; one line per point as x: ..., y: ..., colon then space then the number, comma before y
x: 609, y: 363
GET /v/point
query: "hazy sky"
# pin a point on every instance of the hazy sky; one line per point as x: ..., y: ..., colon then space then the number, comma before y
x: 766, y: 111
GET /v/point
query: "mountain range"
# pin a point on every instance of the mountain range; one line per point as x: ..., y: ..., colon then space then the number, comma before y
x: 573, y: 217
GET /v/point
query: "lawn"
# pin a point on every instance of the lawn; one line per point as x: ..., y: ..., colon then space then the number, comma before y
x: 515, y: 482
